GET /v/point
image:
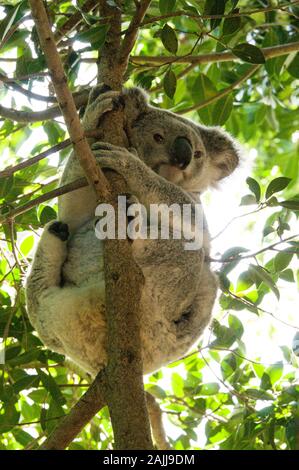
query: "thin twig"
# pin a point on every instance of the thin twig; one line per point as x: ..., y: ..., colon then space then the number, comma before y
x: 236, y: 218
x: 221, y: 94
x: 32, y: 161
x: 36, y: 116
x: 253, y: 255
x: 12, y: 83
x: 67, y: 188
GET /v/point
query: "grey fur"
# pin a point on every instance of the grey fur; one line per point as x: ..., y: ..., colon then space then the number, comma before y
x: 66, y: 289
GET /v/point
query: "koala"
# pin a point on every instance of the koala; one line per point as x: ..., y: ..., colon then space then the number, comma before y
x: 171, y: 160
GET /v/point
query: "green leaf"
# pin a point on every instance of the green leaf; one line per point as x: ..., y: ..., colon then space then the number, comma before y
x: 166, y: 6
x: 27, y: 245
x: 47, y: 214
x: 169, y: 39
x: 215, y: 7
x: 292, y: 433
x: 54, y: 413
x: 228, y: 365
x: 254, y: 188
x: 156, y: 391
x: 25, y: 383
x: 222, y: 110
x: 177, y: 384
x: 248, y: 200
x: 292, y: 204
x: 276, y: 185
x: 236, y: 325
x: 225, y: 336
x: 50, y: 385
x: 244, y: 282
x: 249, y: 53
x: 203, y: 89
x: 209, y: 389
x: 234, y: 252
x: 169, y: 83
x: 265, y: 277
x: 95, y: 36
x: 287, y: 275
x: 25, y: 358
x: 275, y: 372
x: 22, y: 437
x: 282, y: 260
x: 231, y: 25
x: 258, y: 394
x: 265, y: 382
x: 6, y: 186
x: 272, y: 202
x: 293, y: 68
x: 12, y: 18
x: 26, y: 65
x: 9, y: 417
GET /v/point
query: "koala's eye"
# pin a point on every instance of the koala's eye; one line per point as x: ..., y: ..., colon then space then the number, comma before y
x: 158, y: 138
x: 198, y: 154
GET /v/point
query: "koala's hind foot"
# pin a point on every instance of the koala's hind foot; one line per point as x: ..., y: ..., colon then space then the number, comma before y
x: 60, y: 230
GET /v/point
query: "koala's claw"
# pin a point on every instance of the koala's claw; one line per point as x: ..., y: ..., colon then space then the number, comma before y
x: 60, y: 230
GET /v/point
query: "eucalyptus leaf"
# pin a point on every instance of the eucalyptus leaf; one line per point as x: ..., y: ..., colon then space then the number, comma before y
x: 249, y: 53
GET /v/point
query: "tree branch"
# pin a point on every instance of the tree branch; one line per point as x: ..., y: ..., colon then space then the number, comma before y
x: 155, y: 415
x: 269, y: 53
x: 88, y: 406
x: 85, y: 409
x: 11, y: 83
x: 131, y: 33
x: 80, y: 99
x: 123, y: 278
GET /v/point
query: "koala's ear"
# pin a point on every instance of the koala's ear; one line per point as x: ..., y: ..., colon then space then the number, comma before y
x: 136, y: 103
x: 222, y: 150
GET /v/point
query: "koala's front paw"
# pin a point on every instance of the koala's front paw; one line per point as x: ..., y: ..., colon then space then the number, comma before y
x: 100, y: 102
x: 60, y: 230
x: 113, y: 157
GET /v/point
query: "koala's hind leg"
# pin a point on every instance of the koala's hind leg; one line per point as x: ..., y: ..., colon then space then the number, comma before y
x: 68, y: 319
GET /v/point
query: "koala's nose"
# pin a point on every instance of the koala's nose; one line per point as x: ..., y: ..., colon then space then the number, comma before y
x: 181, y: 153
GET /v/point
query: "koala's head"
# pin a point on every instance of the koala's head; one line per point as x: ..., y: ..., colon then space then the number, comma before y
x: 191, y: 156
